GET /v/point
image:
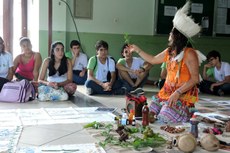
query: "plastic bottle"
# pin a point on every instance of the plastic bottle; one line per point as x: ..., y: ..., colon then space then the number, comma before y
x: 133, y: 121
x: 145, y: 115
x: 124, y: 119
x: 131, y: 114
x: 194, y: 126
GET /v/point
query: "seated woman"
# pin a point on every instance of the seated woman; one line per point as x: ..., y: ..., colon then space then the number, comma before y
x: 27, y: 64
x: 58, y: 84
x: 175, y: 101
x: 6, y: 65
x: 133, y: 71
x: 220, y: 71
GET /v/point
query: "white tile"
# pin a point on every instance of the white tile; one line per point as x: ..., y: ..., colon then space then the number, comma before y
x: 36, y: 135
x: 75, y: 138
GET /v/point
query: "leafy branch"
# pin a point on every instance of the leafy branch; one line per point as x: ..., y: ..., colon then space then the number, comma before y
x: 149, y: 138
x: 127, y: 38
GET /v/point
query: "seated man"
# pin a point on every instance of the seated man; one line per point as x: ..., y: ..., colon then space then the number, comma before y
x: 101, y: 73
x: 79, y: 62
x: 133, y: 71
x: 6, y: 65
x: 221, y: 73
x: 160, y: 83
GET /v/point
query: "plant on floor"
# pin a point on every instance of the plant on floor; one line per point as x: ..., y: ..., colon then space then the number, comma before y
x: 95, y: 125
x: 128, y: 138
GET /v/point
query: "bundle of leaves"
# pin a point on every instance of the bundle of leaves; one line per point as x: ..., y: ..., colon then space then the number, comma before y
x: 154, y: 141
x: 95, y: 125
x: 149, y: 138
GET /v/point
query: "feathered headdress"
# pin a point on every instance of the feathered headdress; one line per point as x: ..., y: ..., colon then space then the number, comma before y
x: 184, y: 23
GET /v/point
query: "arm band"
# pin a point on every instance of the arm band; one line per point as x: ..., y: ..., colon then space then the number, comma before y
x: 143, y: 69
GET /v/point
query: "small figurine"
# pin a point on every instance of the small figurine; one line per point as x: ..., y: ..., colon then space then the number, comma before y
x: 227, y: 127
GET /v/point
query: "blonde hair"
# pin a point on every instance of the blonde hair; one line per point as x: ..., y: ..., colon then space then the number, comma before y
x: 25, y: 40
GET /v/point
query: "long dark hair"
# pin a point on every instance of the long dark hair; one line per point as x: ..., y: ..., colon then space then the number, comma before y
x: 63, y: 66
x: 179, y: 41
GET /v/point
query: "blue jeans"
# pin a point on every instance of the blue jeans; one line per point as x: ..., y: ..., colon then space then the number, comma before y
x: 129, y: 87
x: 205, y: 87
x: 97, y: 89
x: 77, y: 79
x: 2, y: 82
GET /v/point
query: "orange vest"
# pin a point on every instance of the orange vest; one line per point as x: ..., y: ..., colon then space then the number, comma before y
x: 172, y: 83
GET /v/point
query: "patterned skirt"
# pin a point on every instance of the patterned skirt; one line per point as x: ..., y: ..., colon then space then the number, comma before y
x: 174, y: 114
x: 47, y: 93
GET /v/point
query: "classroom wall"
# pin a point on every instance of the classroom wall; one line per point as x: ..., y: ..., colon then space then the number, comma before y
x: 135, y: 17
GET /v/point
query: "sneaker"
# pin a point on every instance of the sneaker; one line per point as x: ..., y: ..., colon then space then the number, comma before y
x: 138, y: 91
x: 124, y: 89
x: 220, y: 92
x: 121, y: 91
x: 89, y: 91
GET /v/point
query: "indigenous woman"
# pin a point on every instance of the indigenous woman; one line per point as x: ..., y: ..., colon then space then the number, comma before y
x: 175, y: 101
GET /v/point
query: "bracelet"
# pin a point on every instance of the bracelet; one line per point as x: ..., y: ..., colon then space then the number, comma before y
x: 178, y: 91
x: 139, y: 51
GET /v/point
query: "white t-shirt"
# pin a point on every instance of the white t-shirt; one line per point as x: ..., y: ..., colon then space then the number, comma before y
x: 57, y: 78
x: 136, y: 65
x: 223, y: 72
x: 103, y: 69
x: 80, y: 62
x: 6, y: 61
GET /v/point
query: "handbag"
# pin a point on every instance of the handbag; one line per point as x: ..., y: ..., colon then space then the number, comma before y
x: 17, y: 91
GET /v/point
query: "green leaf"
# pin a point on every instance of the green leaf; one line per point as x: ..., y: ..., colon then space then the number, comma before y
x: 127, y: 38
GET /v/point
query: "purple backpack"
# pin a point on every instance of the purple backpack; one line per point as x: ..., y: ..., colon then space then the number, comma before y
x: 17, y: 91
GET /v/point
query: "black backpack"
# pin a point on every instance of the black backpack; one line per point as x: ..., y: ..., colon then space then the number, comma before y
x: 109, y: 74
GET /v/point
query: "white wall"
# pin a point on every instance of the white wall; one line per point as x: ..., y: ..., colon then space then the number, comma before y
x: 116, y: 16
x: 109, y: 16
x: 43, y: 15
x: 59, y: 16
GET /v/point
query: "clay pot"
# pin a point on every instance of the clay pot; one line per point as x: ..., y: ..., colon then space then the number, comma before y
x: 209, y: 142
x: 186, y: 143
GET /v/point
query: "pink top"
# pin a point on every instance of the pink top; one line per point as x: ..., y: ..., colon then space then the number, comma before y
x: 26, y: 70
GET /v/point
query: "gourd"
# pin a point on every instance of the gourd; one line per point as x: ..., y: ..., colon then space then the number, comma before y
x: 186, y: 143
x: 209, y: 142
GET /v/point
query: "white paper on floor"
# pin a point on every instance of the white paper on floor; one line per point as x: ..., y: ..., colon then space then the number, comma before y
x: 9, y: 137
x: 76, y: 148
x: 54, y: 116
x: 213, y: 116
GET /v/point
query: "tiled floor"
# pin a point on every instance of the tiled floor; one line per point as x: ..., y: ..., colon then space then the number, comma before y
x: 58, y: 134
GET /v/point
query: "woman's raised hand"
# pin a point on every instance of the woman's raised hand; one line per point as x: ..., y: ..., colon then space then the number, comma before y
x: 134, y: 48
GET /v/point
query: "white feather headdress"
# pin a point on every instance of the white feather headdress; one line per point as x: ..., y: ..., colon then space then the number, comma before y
x: 184, y: 23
